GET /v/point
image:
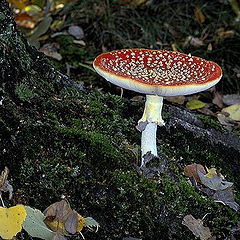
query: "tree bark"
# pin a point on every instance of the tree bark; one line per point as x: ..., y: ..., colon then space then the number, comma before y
x: 21, y: 63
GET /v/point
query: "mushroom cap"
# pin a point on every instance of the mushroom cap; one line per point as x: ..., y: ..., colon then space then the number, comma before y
x: 157, y: 72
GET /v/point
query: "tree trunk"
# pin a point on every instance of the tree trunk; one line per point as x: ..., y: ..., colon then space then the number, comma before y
x: 20, y: 63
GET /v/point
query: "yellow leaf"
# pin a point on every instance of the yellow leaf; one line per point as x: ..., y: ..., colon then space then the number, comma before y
x: 195, y: 104
x: 56, y: 226
x: 32, y: 10
x: 11, y: 220
x: 233, y: 111
x: 19, y: 4
x: 81, y: 223
x: 211, y: 172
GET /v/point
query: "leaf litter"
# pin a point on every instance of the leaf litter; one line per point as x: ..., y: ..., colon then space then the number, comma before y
x: 212, y: 183
x: 196, y: 227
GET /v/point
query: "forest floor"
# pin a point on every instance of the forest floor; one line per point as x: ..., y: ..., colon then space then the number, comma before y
x: 80, y: 141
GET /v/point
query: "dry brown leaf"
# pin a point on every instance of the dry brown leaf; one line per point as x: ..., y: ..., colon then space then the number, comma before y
x: 4, y: 176
x: 50, y: 49
x: 196, y: 227
x: 5, y: 186
x: 217, y: 99
x: 58, y: 210
x: 192, y: 171
x: 222, y: 33
x: 62, y: 219
x: 199, y: 15
x: 72, y: 222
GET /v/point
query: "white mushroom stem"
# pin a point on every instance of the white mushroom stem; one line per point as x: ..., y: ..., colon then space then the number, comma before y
x: 152, y: 117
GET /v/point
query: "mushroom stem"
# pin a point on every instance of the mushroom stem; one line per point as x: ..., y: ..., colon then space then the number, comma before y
x: 153, y: 110
x: 148, y: 141
x: 152, y: 117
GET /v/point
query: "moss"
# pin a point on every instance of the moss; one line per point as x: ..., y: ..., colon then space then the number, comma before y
x: 211, y: 122
x: 75, y: 145
x: 24, y: 92
x: 71, y: 52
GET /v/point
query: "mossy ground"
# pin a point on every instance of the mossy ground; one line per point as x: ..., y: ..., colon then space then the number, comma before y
x: 76, y: 144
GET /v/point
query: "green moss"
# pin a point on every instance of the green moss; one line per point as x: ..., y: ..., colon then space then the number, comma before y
x: 70, y: 51
x: 211, y: 122
x: 24, y: 92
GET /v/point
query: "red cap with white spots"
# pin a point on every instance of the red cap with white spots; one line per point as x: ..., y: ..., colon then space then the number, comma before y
x: 157, y: 72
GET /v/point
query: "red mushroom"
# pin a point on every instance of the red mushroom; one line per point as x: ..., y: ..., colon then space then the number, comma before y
x: 157, y: 74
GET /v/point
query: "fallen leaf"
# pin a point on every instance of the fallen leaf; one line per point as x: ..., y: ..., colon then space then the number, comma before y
x: 59, y: 217
x: 5, y: 186
x: 225, y: 121
x: 222, y: 33
x: 196, y: 227
x: 56, y: 216
x: 85, y: 222
x: 58, y: 210
x: 76, y: 32
x: 215, y: 182
x: 11, y: 220
x: 56, y: 225
x: 218, y: 100
x: 71, y: 223
x: 62, y: 219
x: 50, y: 49
x: 226, y: 197
x: 191, y: 171
x: 199, y: 15
x: 32, y: 10
x: 19, y: 4
x: 22, y: 17
x: 34, y: 224
x: 233, y: 111
x: 195, y: 104
x: 213, y: 171
x: 3, y: 176
x: 231, y: 99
